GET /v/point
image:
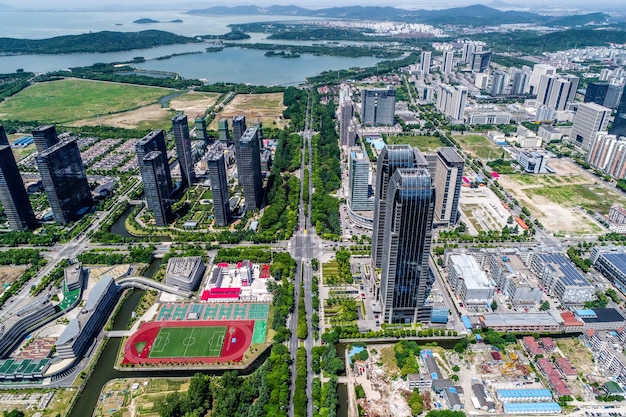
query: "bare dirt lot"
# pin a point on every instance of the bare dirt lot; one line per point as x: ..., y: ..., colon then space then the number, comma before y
x: 153, y: 116
x: 267, y: 108
x: 193, y: 103
x: 561, y: 200
x: 8, y: 274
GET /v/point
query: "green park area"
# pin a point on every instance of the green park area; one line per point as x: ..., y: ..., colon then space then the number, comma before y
x: 68, y: 100
x: 423, y: 143
x: 479, y: 146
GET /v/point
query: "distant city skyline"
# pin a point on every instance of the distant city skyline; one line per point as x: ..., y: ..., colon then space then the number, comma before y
x: 565, y: 5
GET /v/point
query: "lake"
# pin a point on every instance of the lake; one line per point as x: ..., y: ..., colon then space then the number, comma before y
x: 229, y: 65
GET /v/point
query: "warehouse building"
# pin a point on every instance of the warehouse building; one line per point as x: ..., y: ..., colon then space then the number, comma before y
x: 185, y: 273
x: 561, y: 279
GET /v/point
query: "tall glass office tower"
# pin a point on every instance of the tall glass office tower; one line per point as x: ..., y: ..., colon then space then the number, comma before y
x: 404, y: 281
x: 13, y: 195
x: 155, y: 141
x: 154, y: 177
x: 180, y: 127
x: 249, y: 168
x: 219, y: 186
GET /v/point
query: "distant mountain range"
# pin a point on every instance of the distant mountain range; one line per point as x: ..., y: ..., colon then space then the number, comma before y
x: 475, y: 15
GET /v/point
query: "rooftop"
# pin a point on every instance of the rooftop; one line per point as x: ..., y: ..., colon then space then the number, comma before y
x: 601, y: 315
x: 467, y: 267
x: 513, y: 408
x: 523, y: 393
x: 564, y: 269
x: 617, y: 259
x: 519, y: 319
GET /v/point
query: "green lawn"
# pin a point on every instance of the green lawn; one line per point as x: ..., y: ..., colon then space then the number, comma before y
x: 423, y: 143
x: 588, y: 196
x: 68, y: 100
x: 188, y: 342
x: 479, y: 146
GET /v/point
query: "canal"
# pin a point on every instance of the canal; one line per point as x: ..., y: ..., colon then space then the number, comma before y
x: 104, y: 370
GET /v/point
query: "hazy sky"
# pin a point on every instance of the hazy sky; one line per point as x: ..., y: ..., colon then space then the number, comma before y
x: 604, y: 5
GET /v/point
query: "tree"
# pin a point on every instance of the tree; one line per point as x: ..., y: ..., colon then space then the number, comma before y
x: 545, y: 306
x: 494, y: 305
x: 416, y: 403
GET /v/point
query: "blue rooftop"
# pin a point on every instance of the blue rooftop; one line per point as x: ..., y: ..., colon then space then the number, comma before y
x: 505, y: 394
x: 513, y: 408
x: 466, y: 322
x: 585, y: 313
x: 569, y: 275
x: 617, y: 259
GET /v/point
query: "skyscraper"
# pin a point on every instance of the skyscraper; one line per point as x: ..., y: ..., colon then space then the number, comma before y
x: 13, y: 195
x: 249, y: 168
x: 359, y: 182
x: 378, y: 106
x: 608, y: 154
x: 224, y: 133
x: 404, y: 282
x: 480, y: 61
x: 619, y: 124
x: 557, y: 91
x: 539, y: 70
x: 425, y: 62
x: 64, y: 180
x: 520, y: 81
x: 45, y: 137
x: 500, y: 81
x: 4, y: 140
x: 447, y: 178
x: 219, y: 186
x: 239, y: 128
x: 347, y: 133
x: 590, y: 118
x: 155, y: 141
x: 604, y: 94
x: 154, y: 177
x: 392, y: 157
x: 451, y: 101
x: 183, y: 149
x: 200, y: 124
x: 448, y: 62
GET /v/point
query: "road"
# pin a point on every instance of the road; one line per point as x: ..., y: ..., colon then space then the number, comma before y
x: 304, y: 246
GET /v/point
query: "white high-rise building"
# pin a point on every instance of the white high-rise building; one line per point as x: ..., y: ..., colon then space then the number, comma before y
x: 425, y: 62
x: 448, y: 62
x: 360, y: 199
x: 556, y: 92
x: 451, y: 101
x: 538, y: 71
x: 589, y: 119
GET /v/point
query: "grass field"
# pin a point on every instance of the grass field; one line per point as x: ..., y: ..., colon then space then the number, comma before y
x: 188, y: 342
x: 588, y: 196
x: 479, y: 146
x: 329, y: 269
x: 69, y: 100
x: 423, y: 143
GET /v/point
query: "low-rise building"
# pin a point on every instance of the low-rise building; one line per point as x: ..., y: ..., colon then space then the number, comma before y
x: 480, y: 399
x: 524, y: 395
x: 469, y: 282
x: 531, y: 346
x: 549, y: 133
x: 601, y: 318
x: 483, y: 117
x: 520, y: 322
x: 532, y: 162
x: 185, y: 273
x: 80, y: 332
x: 452, y: 398
x: 561, y: 279
x: 611, y: 262
x: 511, y: 277
x: 566, y: 368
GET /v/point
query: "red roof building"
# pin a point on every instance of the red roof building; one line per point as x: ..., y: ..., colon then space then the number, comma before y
x: 532, y: 346
x: 566, y: 368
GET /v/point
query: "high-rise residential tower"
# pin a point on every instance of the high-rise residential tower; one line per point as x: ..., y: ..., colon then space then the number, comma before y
x: 219, y: 187
x: 224, y: 133
x: 619, y: 124
x: 404, y: 281
x: 183, y: 149
x: 590, y: 118
x: 480, y: 61
x: 65, y: 180
x: 200, y: 124
x: 45, y: 137
x: 13, y: 195
x: 347, y: 133
x: 451, y: 101
x: 155, y: 141
x: 249, y: 168
x: 378, y: 106
x: 539, y: 70
x: 425, y: 62
x: 359, y: 182
x: 154, y: 177
x: 448, y: 177
x: 448, y: 62
x: 391, y: 158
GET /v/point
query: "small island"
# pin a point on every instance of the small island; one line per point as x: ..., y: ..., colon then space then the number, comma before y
x: 282, y: 54
x: 145, y: 20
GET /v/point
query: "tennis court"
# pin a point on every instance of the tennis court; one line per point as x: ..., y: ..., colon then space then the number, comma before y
x: 188, y: 342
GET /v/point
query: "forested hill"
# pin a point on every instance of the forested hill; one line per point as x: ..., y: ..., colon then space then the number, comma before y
x: 474, y: 15
x: 92, y: 42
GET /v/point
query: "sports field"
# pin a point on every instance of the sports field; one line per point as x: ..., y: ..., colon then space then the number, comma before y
x: 188, y: 342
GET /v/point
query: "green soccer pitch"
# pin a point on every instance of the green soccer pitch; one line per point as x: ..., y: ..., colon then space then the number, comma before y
x: 188, y: 342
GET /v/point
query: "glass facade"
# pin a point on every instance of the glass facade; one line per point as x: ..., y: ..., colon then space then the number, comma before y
x: 405, y: 283
x: 13, y: 195
x: 155, y: 141
x: 154, y: 177
x: 45, y: 137
x: 64, y: 180
x: 180, y: 127
x: 378, y: 106
x: 249, y: 168
x: 219, y: 186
